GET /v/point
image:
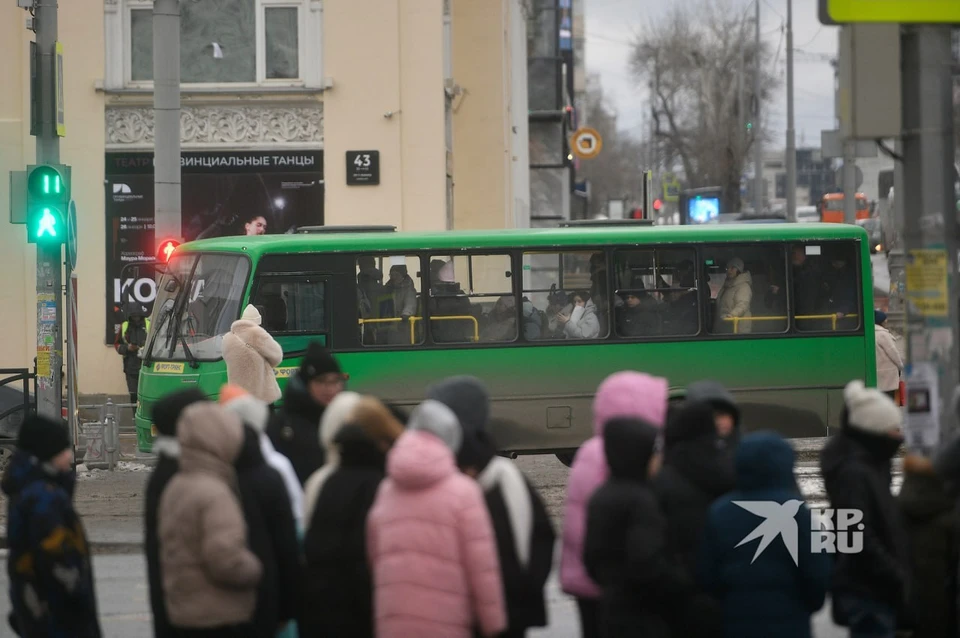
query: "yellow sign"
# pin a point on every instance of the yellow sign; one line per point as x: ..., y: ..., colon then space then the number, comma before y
x: 586, y: 143
x: 927, y: 282
x: 896, y: 11
x: 43, y: 362
x: 671, y: 188
x: 168, y: 368
x: 285, y: 373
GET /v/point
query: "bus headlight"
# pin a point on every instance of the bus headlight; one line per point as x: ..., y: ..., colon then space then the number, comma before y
x: 879, y: 247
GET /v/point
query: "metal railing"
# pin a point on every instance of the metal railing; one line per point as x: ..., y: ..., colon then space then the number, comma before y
x: 102, y: 436
x: 25, y: 376
x: 413, y: 324
x: 833, y: 318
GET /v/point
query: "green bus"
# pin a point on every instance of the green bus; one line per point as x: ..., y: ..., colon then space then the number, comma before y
x: 781, y: 314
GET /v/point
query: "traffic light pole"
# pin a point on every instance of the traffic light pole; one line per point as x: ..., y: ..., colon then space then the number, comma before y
x: 930, y: 235
x: 49, y: 258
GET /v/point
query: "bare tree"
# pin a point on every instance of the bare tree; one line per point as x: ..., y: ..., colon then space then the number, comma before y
x: 692, y: 61
x: 615, y: 172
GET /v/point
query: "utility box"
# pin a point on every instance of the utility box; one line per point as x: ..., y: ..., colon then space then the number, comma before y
x: 869, y: 100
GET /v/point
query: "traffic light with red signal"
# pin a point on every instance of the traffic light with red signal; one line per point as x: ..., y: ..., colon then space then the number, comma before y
x: 166, y: 249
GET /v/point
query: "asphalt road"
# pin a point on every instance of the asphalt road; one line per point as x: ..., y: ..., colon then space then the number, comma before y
x: 122, y: 584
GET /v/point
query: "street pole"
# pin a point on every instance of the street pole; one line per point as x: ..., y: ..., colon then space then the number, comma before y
x: 791, y: 132
x: 166, y: 106
x: 757, y: 127
x: 930, y: 234
x: 49, y: 259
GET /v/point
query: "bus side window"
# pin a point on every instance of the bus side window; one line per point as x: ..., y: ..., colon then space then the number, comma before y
x: 826, y: 289
x: 656, y: 293
x: 567, y: 288
x: 742, y: 280
x: 471, y: 299
x: 388, y: 300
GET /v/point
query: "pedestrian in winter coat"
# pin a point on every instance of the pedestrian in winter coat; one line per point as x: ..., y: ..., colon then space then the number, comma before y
x: 524, y: 533
x: 166, y: 413
x: 931, y: 521
x: 210, y: 577
x: 251, y: 355
x: 625, y: 550
x: 271, y: 529
x: 889, y: 361
x: 695, y: 473
x: 763, y: 590
x: 48, y: 567
x: 870, y: 588
x: 357, y: 432
x: 295, y: 429
x: 733, y: 300
x: 726, y: 412
x: 256, y: 414
x: 430, y: 541
x: 624, y: 394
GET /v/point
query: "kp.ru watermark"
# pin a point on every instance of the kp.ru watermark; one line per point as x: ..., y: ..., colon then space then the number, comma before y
x: 832, y: 531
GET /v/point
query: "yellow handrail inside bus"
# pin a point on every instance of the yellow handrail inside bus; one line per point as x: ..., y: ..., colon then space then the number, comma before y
x: 736, y: 320
x: 414, y: 320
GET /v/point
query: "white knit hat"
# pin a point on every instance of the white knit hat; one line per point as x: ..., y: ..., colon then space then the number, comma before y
x: 250, y: 313
x: 870, y: 410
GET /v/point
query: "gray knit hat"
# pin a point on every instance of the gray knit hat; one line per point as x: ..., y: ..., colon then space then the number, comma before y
x: 468, y: 399
x: 437, y: 419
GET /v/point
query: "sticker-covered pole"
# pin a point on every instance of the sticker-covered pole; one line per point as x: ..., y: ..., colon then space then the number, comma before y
x: 166, y: 108
x: 930, y: 236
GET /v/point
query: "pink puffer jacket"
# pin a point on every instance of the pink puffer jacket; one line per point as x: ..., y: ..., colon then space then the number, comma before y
x: 624, y: 394
x: 431, y: 547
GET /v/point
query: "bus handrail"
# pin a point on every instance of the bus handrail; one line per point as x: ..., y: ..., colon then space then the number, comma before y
x: 414, y: 320
x: 736, y: 320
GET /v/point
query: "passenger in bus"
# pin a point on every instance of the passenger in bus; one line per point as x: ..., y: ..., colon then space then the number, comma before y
x: 733, y: 300
x: 806, y: 285
x: 447, y: 299
x: 369, y: 283
x: 637, y: 316
x: 582, y: 321
x: 683, y: 316
x: 398, y: 300
x: 838, y: 291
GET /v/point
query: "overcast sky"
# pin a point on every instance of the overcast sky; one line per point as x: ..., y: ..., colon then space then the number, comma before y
x: 611, y: 25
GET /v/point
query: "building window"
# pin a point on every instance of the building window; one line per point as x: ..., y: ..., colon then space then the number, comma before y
x: 261, y: 43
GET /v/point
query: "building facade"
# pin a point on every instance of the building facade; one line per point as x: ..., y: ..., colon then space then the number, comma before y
x: 278, y: 103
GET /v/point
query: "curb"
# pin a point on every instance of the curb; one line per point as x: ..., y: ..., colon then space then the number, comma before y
x: 96, y: 547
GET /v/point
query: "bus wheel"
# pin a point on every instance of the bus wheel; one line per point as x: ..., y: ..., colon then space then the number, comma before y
x: 566, y: 458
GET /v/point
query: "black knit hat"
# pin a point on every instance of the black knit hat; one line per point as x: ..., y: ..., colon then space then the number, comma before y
x: 167, y: 410
x: 43, y: 438
x: 318, y: 361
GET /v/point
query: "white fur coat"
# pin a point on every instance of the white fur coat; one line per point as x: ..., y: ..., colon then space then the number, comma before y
x: 251, y: 354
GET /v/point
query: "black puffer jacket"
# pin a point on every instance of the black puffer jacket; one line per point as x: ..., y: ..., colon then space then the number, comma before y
x: 295, y: 429
x: 625, y: 549
x: 272, y: 536
x: 167, y: 466
x: 856, y: 474
x: 339, y: 586
x: 695, y: 473
x: 931, y: 522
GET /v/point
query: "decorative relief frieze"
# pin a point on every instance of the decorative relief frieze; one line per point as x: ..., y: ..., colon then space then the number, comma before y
x: 221, y: 125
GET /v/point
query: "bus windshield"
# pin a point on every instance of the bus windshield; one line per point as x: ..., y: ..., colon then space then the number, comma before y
x: 197, y: 301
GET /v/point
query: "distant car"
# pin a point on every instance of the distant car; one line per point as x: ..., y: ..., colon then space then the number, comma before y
x: 875, y: 232
x: 808, y: 215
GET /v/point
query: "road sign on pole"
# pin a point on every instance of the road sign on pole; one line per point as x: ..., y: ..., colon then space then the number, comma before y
x: 586, y: 143
x: 72, y: 235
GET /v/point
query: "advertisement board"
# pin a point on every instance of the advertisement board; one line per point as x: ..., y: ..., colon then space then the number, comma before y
x: 222, y: 194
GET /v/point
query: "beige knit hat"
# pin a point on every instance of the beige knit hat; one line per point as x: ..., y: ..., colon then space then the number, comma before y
x: 250, y: 313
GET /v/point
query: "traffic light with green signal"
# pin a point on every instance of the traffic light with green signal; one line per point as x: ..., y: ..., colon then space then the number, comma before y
x: 48, y: 195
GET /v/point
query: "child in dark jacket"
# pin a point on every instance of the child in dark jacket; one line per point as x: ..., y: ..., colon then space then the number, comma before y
x: 51, y: 576
x: 626, y: 539
x: 166, y: 412
x: 772, y: 587
x: 525, y: 536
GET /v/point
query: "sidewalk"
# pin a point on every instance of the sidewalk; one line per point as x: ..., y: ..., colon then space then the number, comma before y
x: 111, y: 506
